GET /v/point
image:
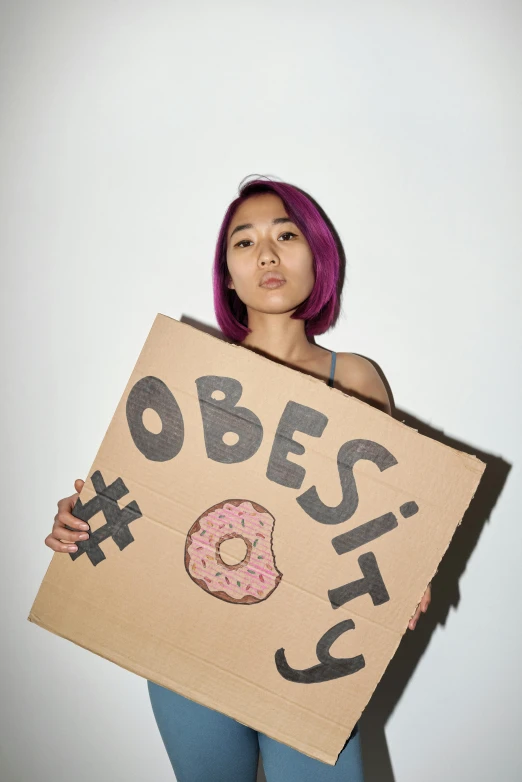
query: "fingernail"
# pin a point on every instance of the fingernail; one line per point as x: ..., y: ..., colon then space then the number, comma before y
x: 84, y: 526
x: 83, y: 536
x: 72, y: 548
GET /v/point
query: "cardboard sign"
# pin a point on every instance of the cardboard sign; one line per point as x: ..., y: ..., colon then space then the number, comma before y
x: 259, y: 541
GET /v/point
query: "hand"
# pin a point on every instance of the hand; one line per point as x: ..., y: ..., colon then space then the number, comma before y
x: 61, y: 539
x: 421, y: 608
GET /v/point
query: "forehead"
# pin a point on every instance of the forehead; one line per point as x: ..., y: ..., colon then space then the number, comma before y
x: 260, y: 208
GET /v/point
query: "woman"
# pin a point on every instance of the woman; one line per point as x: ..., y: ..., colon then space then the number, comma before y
x: 277, y: 280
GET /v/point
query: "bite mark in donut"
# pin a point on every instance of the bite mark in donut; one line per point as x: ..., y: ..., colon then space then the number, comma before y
x: 249, y: 581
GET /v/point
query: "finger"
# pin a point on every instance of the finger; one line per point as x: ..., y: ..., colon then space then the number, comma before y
x: 56, y: 545
x: 415, y: 618
x: 65, y: 519
x: 68, y: 536
x: 426, y: 599
x: 68, y: 503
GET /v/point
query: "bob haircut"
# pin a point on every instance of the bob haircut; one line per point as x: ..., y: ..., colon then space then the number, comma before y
x: 321, y: 309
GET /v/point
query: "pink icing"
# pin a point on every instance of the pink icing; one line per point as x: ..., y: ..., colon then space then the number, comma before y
x: 257, y: 575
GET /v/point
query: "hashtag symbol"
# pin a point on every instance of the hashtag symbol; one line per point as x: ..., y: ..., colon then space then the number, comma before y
x: 117, y: 519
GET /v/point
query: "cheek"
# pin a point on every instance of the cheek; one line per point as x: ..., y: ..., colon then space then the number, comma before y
x: 232, y: 271
x: 304, y: 267
x: 307, y: 277
x: 234, y: 275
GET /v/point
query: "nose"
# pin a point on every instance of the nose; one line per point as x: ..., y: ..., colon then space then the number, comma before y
x: 267, y: 257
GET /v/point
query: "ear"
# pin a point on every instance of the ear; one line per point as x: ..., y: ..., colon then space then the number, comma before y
x: 230, y: 284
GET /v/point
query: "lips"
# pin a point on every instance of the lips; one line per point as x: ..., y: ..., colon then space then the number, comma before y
x: 272, y: 280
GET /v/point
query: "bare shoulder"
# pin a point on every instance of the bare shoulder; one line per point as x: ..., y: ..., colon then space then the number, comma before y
x: 357, y: 375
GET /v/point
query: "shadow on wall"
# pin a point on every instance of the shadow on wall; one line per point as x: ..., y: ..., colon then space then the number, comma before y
x: 445, y: 592
x: 445, y: 595
x: 204, y: 327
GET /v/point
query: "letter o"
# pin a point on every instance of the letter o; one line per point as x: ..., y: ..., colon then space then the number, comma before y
x: 152, y: 392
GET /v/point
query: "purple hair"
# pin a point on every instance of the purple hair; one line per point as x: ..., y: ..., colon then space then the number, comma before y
x: 321, y: 309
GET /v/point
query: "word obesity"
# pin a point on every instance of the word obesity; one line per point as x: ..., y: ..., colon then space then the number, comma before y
x: 218, y: 398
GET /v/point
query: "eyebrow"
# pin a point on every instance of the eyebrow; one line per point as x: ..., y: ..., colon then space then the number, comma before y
x: 243, y: 227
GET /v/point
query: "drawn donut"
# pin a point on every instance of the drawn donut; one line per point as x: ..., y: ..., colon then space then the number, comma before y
x: 251, y: 580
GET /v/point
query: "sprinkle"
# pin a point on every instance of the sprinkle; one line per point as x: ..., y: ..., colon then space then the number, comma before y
x: 230, y: 525
x: 243, y: 522
x: 261, y: 578
x: 255, y: 542
x: 248, y: 587
x: 207, y: 579
x: 260, y: 556
x: 226, y: 579
x: 219, y: 574
x: 204, y: 563
x: 199, y: 548
x: 209, y: 556
x: 259, y: 592
x: 262, y: 524
x: 210, y: 524
x: 221, y: 517
x: 221, y: 527
x: 203, y: 531
x: 260, y: 535
x: 252, y: 571
x: 238, y: 583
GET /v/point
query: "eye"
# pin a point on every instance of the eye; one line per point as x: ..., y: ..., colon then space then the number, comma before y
x: 286, y: 233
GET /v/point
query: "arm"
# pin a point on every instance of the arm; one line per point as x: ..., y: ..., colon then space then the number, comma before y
x: 357, y: 376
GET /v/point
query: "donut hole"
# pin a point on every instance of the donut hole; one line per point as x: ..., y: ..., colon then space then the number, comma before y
x: 233, y: 550
x: 151, y: 421
x: 230, y: 438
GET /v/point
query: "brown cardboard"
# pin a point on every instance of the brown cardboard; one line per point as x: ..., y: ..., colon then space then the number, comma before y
x: 137, y: 604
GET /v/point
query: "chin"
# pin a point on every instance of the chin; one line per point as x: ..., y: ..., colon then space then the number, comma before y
x: 276, y: 307
x: 277, y: 301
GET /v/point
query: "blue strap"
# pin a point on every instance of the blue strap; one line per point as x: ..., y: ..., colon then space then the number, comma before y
x: 332, y: 369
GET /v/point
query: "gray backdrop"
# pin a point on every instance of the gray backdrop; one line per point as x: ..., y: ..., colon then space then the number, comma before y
x: 125, y: 130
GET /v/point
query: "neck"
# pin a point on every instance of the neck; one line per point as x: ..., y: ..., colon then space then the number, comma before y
x: 278, y: 336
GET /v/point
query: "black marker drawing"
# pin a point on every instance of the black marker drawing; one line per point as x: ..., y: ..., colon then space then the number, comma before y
x: 364, y: 533
x: 349, y: 454
x: 295, y: 418
x: 329, y: 667
x: 255, y: 577
x: 409, y: 509
x: 152, y: 393
x: 371, y: 583
x: 371, y: 530
x: 117, y: 519
x: 220, y: 416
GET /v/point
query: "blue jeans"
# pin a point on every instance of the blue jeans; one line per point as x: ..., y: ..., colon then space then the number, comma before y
x: 206, y: 746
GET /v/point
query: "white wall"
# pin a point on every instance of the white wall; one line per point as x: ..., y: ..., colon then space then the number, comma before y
x: 125, y: 130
